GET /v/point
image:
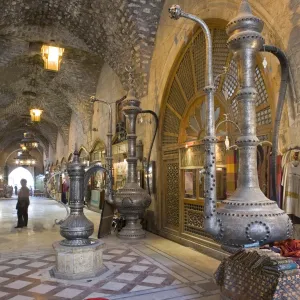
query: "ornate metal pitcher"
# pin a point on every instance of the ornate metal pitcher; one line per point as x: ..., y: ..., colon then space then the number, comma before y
x: 247, y: 217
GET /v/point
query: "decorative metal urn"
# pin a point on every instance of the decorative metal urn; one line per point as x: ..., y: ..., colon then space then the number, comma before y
x: 132, y: 200
x: 76, y: 229
x: 247, y: 217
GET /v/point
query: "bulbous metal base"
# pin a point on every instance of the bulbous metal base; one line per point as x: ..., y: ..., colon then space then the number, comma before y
x: 249, y: 217
x: 76, y: 230
x: 133, y: 230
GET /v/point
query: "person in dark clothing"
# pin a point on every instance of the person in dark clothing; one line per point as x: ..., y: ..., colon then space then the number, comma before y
x: 22, y: 205
x: 65, y: 189
x: 16, y: 190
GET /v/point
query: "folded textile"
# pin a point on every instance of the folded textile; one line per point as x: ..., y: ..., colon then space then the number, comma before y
x: 289, y: 248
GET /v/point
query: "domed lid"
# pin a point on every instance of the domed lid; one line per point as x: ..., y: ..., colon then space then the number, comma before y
x: 244, y: 20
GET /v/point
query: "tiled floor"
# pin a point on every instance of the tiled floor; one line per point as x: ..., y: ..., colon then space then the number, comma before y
x: 152, y: 269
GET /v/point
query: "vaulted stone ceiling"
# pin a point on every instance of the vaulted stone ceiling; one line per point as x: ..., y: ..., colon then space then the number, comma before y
x: 119, y: 32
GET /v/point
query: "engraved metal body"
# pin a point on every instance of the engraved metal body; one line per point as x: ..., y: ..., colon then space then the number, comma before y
x: 132, y: 200
x: 76, y: 229
x: 247, y: 216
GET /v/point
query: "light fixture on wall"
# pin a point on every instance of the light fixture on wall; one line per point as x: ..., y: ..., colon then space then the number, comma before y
x: 52, y: 57
x: 227, y: 141
x: 28, y: 142
x: 25, y: 159
x: 35, y: 114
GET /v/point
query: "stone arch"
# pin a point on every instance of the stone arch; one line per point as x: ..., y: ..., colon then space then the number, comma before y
x: 19, y: 173
x: 98, y: 150
x: 84, y: 154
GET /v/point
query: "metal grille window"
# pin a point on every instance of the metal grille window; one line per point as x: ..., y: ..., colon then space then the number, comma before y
x: 220, y: 53
x: 172, y: 122
x: 185, y: 75
x: 234, y: 107
x: 230, y: 82
x: 262, y: 95
x: 188, y: 81
x: 176, y: 99
x: 199, y: 56
x: 264, y: 117
x: 264, y: 137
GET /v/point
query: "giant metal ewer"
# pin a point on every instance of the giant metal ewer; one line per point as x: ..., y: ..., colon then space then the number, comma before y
x: 132, y: 200
x: 247, y: 217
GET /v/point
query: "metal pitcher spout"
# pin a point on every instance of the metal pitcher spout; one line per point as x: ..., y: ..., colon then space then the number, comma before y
x: 211, y: 224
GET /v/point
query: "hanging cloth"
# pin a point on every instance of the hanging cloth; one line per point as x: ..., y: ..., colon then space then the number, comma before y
x: 291, y: 185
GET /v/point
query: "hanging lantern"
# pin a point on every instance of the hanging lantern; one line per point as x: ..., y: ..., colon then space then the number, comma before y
x: 28, y: 142
x: 35, y: 114
x: 52, y: 57
x: 25, y: 159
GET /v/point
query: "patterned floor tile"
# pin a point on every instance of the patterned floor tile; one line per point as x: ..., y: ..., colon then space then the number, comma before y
x: 141, y: 288
x: 117, y: 251
x: 105, y: 256
x: 127, y: 276
x: 159, y: 271
x: 126, y: 259
x: 2, y: 268
x: 36, y: 265
x: 127, y: 272
x: 139, y: 268
x: 113, y: 286
x: 96, y: 295
x: 69, y: 293
x: 18, y: 284
x: 50, y: 258
x: 2, y: 294
x: 17, y: 261
x: 145, y: 262
x: 20, y: 297
x: 154, y: 279
x: 2, y: 279
x: 18, y: 271
x: 42, y: 289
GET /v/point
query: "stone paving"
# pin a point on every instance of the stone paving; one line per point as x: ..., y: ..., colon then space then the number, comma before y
x: 154, y: 268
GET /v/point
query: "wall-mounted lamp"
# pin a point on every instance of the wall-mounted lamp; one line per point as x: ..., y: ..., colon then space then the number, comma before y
x: 227, y: 142
x: 52, y: 57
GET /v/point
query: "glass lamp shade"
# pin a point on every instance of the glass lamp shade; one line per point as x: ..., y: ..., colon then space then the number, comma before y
x: 35, y: 114
x: 227, y: 143
x: 28, y: 142
x: 52, y: 57
x: 25, y: 159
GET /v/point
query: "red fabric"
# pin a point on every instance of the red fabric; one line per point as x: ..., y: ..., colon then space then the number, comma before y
x: 289, y: 248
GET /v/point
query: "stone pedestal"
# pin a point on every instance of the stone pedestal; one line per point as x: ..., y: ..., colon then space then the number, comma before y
x: 78, y: 262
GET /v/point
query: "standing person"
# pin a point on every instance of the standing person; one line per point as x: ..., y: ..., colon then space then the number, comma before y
x: 22, y: 204
x: 65, y: 188
x: 16, y: 190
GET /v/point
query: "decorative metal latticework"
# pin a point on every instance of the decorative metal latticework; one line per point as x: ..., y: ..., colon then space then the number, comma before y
x: 194, y: 219
x: 189, y: 80
x: 172, y: 195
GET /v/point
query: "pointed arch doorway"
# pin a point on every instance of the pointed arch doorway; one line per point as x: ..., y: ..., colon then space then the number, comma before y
x: 19, y: 173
